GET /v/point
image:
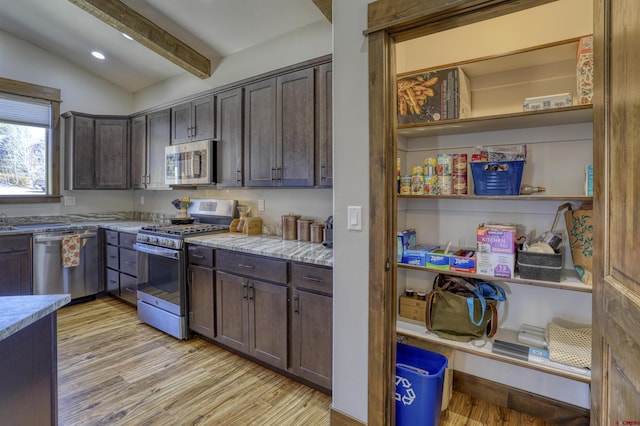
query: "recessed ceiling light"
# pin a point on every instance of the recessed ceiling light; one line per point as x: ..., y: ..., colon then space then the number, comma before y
x: 97, y: 54
x: 127, y: 36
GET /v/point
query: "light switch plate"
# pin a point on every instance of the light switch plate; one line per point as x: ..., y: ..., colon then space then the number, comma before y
x: 260, y: 205
x: 69, y: 200
x: 354, y: 218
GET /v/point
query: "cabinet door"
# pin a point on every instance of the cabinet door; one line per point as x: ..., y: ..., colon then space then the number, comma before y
x: 324, y: 102
x: 158, y: 136
x: 15, y: 264
x: 229, y: 135
x: 80, y: 143
x: 202, y: 118
x: 260, y: 134
x: 311, y: 337
x: 181, y: 123
x: 112, y: 154
x: 201, y: 301
x: 139, y: 152
x: 128, y: 261
x: 268, y: 323
x: 232, y: 311
x: 295, y: 140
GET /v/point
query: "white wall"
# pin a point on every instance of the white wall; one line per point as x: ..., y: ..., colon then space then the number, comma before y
x: 351, y: 188
x: 80, y: 91
x: 296, y: 46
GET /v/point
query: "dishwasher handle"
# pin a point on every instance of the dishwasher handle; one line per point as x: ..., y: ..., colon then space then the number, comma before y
x: 45, y: 238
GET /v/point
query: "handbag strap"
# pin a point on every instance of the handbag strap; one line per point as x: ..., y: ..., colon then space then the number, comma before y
x: 491, y: 290
x: 492, y: 328
x: 427, y: 316
x: 472, y: 306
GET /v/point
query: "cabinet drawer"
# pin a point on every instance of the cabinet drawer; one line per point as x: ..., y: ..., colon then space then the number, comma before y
x: 252, y: 266
x: 200, y: 255
x: 129, y: 261
x: 111, y: 237
x: 113, y: 259
x: 127, y: 240
x: 311, y: 277
x: 113, y: 281
x: 129, y: 288
x: 13, y: 243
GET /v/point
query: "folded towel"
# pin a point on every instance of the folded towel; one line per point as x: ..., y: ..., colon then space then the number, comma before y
x: 70, y: 250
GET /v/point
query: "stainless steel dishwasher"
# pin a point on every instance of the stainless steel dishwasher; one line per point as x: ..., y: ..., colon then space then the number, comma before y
x: 50, y: 277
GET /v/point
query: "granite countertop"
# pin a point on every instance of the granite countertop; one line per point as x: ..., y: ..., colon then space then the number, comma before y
x: 18, y: 312
x: 268, y: 245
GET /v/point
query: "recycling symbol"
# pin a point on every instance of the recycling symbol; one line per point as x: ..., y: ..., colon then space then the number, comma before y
x: 404, y: 392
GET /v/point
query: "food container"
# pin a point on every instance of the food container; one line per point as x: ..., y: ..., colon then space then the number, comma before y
x: 290, y: 226
x: 304, y: 229
x: 317, y: 231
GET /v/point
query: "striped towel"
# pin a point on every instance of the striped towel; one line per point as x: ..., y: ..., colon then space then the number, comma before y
x: 70, y: 250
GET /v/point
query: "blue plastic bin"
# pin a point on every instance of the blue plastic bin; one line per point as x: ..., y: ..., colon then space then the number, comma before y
x: 497, y: 177
x: 419, y: 385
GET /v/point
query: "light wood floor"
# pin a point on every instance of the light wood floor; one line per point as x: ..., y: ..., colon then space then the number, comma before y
x: 114, y: 370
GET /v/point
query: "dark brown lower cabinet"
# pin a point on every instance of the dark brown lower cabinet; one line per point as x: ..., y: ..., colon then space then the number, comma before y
x: 252, y: 317
x: 312, y: 323
x: 15, y: 264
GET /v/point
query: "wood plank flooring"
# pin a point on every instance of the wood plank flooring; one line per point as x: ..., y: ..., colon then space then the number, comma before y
x: 114, y: 370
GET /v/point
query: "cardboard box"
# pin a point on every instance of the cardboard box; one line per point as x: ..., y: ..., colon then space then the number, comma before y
x: 463, y: 260
x: 496, y: 250
x: 418, y: 255
x: 547, y: 102
x: 434, y: 95
x: 438, y: 259
x: 584, y: 71
x: 412, y: 308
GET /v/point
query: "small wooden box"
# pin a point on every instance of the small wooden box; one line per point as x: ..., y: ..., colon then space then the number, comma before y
x: 412, y: 308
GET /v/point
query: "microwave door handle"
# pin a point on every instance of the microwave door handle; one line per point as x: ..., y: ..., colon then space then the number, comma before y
x: 196, y: 164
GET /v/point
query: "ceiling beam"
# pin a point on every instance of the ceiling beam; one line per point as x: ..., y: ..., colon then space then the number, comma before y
x: 325, y: 7
x: 145, y: 32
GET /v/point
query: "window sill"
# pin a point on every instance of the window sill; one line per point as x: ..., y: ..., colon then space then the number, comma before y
x: 29, y: 199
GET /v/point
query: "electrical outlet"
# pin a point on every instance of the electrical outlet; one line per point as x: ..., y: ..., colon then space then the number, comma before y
x: 260, y: 205
x: 142, y: 200
x: 69, y: 200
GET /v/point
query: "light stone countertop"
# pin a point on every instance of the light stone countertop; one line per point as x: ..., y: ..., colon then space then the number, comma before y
x: 18, y: 312
x: 268, y: 245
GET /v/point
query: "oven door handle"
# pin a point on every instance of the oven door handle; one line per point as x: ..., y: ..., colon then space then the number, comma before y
x: 157, y: 251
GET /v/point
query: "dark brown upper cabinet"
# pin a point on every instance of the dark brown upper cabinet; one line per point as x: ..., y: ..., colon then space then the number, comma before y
x: 229, y: 132
x: 192, y: 121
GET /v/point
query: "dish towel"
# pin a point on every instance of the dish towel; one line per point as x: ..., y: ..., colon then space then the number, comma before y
x: 70, y: 250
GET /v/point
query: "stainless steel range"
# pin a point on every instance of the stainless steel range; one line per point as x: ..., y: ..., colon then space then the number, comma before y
x: 162, y: 299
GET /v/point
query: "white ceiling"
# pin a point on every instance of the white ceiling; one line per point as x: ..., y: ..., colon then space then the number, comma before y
x: 214, y: 28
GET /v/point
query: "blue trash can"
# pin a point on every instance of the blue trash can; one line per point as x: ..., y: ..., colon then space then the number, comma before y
x: 419, y: 384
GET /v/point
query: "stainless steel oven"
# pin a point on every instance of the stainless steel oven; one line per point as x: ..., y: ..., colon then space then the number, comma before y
x: 162, y: 298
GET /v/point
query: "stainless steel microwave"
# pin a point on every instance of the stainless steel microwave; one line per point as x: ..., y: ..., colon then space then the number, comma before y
x: 190, y: 163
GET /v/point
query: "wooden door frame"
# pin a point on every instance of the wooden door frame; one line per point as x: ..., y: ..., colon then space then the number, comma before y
x: 391, y: 21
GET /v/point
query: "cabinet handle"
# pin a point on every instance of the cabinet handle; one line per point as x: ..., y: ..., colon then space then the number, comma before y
x: 239, y: 176
x: 242, y: 265
x: 310, y: 278
x: 197, y: 256
x: 273, y: 174
x: 113, y: 282
x: 194, y: 131
x: 280, y: 173
x: 296, y: 304
x: 245, y: 292
x: 322, y: 170
x: 130, y: 290
x: 253, y: 292
x: 113, y: 257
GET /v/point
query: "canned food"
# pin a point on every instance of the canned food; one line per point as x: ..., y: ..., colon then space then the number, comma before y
x: 445, y: 164
x: 417, y: 170
x: 445, y: 186
x: 405, y: 185
x: 460, y: 184
x: 459, y: 164
x: 431, y: 185
x: 417, y: 185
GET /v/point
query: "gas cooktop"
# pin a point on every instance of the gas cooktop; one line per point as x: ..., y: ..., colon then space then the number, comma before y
x: 183, y: 230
